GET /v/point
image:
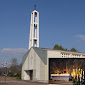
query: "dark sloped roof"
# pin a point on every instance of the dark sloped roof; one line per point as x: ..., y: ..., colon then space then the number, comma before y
x: 42, y: 53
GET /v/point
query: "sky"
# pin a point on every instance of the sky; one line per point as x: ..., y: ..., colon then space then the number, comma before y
x: 61, y: 22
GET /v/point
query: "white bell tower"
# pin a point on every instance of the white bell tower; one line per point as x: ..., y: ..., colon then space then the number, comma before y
x: 34, y: 30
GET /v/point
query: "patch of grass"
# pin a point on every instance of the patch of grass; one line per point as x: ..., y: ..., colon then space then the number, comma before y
x: 1, y: 83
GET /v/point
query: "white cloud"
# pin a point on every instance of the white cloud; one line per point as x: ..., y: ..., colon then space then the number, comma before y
x: 13, y: 51
x: 82, y: 37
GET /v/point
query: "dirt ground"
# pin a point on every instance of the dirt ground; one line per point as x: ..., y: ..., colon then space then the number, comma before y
x: 22, y: 83
x: 13, y: 81
x: 2, y: 78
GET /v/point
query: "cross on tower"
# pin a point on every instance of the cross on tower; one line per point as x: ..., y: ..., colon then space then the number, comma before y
x: 35, y: 7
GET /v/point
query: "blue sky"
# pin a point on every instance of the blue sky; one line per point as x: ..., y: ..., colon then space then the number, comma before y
x: 61, y: 22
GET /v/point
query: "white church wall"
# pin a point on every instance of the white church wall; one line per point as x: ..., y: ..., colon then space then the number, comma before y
x: 34, y: 64
x: 46, y: 72
x: 24, y: 69
x: 53, y: 54
x: 26, y: 64
x: 41, y: 57
x: 26, y: 75
x: 37, y: 67
x: 31, y: 59
x: 42, y: 70
x: 22, y: 73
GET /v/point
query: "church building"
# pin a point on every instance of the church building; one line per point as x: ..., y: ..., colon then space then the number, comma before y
x: 35, y: 63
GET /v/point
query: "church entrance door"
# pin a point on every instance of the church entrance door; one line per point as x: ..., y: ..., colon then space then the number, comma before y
x: 31, y: 74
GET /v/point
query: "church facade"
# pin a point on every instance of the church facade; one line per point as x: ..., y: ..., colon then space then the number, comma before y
x: 35, y: 63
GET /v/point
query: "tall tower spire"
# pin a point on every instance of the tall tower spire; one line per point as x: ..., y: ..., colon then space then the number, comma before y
x: 34, y: 29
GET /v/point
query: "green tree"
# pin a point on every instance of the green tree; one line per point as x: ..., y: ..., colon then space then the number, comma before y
x: 56, y: 47
x: 66, y: 49
x: 61, y: 48
x: 73, y: 50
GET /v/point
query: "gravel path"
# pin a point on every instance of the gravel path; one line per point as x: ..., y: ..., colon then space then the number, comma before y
x: 13, y: 81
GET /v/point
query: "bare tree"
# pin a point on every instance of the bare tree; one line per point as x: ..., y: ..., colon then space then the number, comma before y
x: 14, y: 62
